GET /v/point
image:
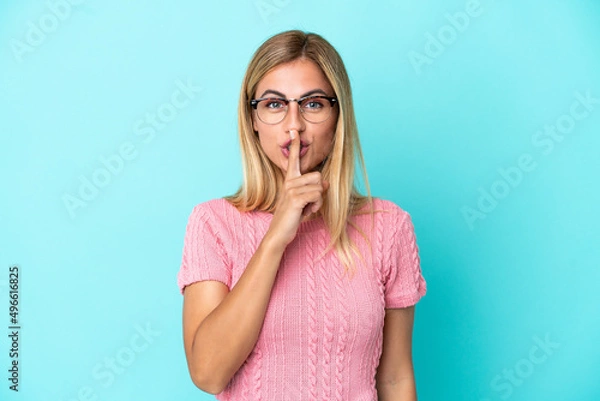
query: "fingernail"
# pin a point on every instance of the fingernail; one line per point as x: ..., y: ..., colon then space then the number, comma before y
x: 292, y: 134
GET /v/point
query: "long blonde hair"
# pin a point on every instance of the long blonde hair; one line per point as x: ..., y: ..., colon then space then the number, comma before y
x: 262, y: 178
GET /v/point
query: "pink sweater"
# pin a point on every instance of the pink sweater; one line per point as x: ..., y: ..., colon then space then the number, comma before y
x: 322, y: 334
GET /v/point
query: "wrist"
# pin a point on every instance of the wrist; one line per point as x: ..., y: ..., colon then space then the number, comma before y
x: 272, y: 244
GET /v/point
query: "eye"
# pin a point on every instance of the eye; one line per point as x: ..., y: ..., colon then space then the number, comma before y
x: 273, y: 104
x: 313, y: 104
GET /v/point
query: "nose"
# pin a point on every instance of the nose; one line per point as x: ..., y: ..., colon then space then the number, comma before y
x: 293, y: 119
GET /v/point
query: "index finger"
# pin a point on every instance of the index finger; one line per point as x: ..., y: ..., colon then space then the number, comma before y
x: 293, y: 167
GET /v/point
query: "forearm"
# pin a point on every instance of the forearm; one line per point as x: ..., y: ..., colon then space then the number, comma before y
x: 229, y: 333
x: 403, y: 390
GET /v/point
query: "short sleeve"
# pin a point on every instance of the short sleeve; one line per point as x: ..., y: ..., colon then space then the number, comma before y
x: 404, y: 284
x: 204, y: 256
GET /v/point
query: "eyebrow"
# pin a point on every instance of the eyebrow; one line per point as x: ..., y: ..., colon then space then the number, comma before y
x: 311, y: 92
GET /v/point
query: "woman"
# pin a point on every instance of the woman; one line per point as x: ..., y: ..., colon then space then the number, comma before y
x: 269, y: 312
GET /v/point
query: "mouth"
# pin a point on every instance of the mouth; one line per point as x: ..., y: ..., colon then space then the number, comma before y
x: 289, y: 143
x: 286, y: 150
x: 302, y: 147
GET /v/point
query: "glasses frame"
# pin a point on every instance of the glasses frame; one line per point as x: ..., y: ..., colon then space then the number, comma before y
x: 332, y: 102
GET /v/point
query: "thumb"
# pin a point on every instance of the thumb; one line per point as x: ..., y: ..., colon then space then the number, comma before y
x: 325, y: 185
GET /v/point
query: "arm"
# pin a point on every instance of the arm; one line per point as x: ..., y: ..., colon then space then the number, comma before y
x: 395, y: 379
x: 221, y: 327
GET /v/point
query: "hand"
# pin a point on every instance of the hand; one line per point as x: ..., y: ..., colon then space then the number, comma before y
x: 301, y: 196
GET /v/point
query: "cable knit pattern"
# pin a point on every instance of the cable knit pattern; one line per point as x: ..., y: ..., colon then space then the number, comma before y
x: 257, y: 374
x: 342, y: 333
x: 329, y: 324
x: 322, y: 335
x: 312, y: 324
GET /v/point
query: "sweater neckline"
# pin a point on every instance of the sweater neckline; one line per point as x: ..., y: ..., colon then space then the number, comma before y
x: 304, y: 226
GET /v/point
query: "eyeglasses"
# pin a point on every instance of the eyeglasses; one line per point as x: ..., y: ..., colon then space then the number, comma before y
x: 314, y: 109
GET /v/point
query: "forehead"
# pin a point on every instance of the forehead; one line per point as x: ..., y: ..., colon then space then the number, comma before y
x: 294, y: 79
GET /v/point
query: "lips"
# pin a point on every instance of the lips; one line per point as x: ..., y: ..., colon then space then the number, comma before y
x: 287, y: 144
x: 286, y: 151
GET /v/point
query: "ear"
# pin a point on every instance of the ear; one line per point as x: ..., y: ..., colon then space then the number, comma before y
x: 254, y: 127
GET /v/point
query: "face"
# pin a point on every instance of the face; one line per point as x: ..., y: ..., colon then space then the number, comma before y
x: 292, y: 81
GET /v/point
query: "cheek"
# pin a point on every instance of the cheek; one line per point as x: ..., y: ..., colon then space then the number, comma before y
x: 326, y: 141
x: 267, y: 141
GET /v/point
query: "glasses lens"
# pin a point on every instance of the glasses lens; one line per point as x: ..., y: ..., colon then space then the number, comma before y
x: 271, y: 111
x: 315, y: 109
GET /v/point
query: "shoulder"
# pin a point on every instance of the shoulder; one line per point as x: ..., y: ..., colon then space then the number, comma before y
x: 213, y: 208
x: 392, y: 212
x: 214, y: 213
x: 221, y: 217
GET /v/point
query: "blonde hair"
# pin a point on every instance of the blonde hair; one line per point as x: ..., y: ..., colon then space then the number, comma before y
x: 262, y: 178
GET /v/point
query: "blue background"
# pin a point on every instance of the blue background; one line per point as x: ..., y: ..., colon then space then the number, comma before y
x: 440, y: 136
